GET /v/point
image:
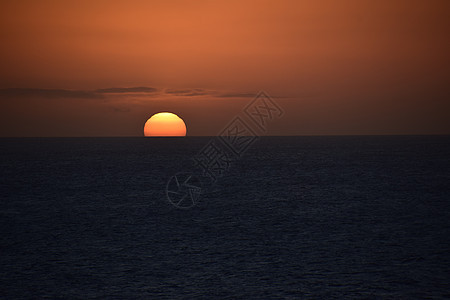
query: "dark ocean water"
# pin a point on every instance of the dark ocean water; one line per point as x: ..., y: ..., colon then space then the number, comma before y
x: 296, y: 217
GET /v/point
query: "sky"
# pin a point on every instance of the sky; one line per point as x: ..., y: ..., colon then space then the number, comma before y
x: 102, y: 68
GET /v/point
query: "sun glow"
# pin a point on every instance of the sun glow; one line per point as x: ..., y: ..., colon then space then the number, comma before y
x: 165, y: 124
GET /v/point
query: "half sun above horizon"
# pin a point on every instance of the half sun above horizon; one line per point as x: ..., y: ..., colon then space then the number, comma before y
x: 165, y: 124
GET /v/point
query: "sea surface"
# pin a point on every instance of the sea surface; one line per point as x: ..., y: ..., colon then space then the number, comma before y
x: 349, y: 217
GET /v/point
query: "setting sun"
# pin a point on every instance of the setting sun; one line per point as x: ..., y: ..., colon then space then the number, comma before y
x: 165, y: 124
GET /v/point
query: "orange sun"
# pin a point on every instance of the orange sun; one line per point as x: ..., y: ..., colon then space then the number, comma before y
x: 165, y: 124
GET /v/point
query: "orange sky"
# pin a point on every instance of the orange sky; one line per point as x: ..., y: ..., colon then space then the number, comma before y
x: 336, y: 67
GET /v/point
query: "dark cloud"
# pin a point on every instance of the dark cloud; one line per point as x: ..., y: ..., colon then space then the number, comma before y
x: 237, y: 95
x: 188, y: 92
x: 197, y: 94
x: 63, y: 93
x: 48, y: 93
x: 99, y: 93
x: 202, y: 92
x: 121, y: 90
x: 177, y: 92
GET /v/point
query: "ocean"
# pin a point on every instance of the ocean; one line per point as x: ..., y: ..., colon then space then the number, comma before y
x: 346, y: 217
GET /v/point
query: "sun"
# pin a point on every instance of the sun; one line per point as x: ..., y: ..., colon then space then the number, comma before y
x: 165, y: 124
